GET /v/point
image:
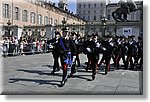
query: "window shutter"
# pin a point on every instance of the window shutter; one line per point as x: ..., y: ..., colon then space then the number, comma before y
x: 22, y: 15
x: 27, y: 16
x: 41, y: 20
x: 35, y: 18
x: 9, y: 11
x: 3, y: 8
x: 19, y: 14
x: 14, y: 14
x: 30, y: 17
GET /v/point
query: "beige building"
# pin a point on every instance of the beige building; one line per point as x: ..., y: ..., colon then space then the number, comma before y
x: 33, y: 17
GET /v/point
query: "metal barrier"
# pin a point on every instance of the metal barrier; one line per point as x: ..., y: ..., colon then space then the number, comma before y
x: 28, y: 49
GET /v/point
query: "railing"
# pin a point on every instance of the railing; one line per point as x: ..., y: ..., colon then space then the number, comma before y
x: 28, y: 49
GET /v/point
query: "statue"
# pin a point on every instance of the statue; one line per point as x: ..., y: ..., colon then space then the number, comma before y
x: 125, y: 8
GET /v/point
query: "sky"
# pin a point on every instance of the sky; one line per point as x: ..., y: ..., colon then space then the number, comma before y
x: 72, y: 4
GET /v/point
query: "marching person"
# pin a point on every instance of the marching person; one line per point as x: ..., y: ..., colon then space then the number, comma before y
x: 56, y: 52
x: 87, y: 43
x: 122, y: 51
x: 132, y: 51
x: 108, y: 49
x: 67, y: 49
x: 139, y: 58
x: 78, y: 43
x: 94, y: 50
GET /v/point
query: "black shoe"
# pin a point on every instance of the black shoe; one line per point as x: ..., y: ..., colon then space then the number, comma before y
x: 71, y: 75
x: 79, y: 66
x: 53, y: 72
x: 63, y: 82
x: 105, y: 73
x: 93, y: 77
x: 86, y: 69
x: 58, y: 69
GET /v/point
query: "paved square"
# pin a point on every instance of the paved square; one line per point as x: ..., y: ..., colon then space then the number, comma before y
x: 32, y: 75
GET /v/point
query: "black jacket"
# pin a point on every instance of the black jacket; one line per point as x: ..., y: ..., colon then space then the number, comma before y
x: 69, y: 46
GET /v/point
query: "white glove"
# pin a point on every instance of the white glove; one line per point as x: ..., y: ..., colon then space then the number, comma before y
x: 76, y: 42
x: 88, y: 49
x: 74, y: 58
x: 104, y: 49
x: 111, y: 44
x: 97, y: 45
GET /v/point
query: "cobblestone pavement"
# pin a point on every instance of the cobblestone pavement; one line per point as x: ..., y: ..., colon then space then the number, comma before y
x: 32, y: 75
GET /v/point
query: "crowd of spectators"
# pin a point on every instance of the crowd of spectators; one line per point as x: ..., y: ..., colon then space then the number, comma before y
x: 12, y: 46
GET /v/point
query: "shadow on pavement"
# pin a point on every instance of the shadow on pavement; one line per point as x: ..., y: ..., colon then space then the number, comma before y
x: 49, y: 66
x: 39, y: 72
x: 40, y: 82
x: 82, y: 77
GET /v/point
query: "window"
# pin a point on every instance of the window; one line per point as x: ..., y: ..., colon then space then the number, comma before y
x: 84, y: 5
x: 51, y: 21
x: 88, y: 11
x: 94, y: 11
x: 88, y: 17
x: 83, y: 12
x: 101, y: 4
x: 40, y: 19
x: 46, y: 20
x: 94, y: 17
x: 6, y: 11
x: 108, y: 17
x: 80, y: 6
x: 94, y: 5
x: 33, y: 18
x: 25, y: 15
x: 55, y: 22
x: 16, y: 13
x: 83, y: 17
x: 101, y: 17
x: 89, y: 5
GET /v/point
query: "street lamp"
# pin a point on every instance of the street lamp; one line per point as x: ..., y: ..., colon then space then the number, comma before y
x: 104, y: 21
x: 9, y: 23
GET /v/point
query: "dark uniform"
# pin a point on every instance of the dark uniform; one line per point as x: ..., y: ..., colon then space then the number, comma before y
x: 87, y: 43
x: 93, y: 49
x: 132, y: 51
x: 78, y: 43
x: 139, y: 52
x: 66, y: 46
x: 56, y: 52
x: 121, y: 52
x: 107, y: 53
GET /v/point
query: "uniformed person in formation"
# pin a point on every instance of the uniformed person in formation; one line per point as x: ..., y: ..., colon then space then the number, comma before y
x: 93, y: 51
x: 67, y: 48
x: 131, y: 53
x: 56, y: 52
x: 121, y: 47
x: 108, y: 50
x: 139, y: 58
x: 87, y: 43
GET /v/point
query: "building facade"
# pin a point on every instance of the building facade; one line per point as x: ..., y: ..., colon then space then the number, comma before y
x: 91, y: 10
x: 94, y: 10
x: 33, y: 16
x: 136, y: 17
